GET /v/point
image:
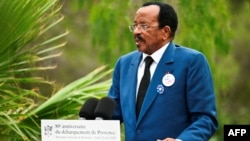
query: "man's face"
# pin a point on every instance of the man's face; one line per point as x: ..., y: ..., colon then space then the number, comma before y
x: 148, y: 39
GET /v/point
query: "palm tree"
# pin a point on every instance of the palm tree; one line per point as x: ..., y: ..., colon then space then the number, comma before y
x: 24, y: 49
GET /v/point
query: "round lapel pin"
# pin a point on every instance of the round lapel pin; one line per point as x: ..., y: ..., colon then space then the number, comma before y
x: 168, y: 79
x: 160, y: 89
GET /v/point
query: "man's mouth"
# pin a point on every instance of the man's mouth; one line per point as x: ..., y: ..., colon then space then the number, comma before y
x: 138, y: 39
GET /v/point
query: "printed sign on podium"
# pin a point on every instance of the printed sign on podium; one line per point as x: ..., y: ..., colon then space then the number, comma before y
x: 80, y: 130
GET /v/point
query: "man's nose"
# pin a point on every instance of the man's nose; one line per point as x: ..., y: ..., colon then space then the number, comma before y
x: 137, y: 30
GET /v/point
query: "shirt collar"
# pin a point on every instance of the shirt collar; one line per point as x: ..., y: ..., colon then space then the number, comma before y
x: 156, y: 55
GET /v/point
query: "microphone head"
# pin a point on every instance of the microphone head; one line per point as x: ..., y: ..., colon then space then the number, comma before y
x: 105, y: 108
x: 88, y: 108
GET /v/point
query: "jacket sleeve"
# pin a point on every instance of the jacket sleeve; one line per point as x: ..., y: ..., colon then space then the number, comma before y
x: 115, y: 90
x: 200, y: 100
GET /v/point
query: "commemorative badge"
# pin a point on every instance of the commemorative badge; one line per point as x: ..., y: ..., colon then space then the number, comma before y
x: 168, y: 79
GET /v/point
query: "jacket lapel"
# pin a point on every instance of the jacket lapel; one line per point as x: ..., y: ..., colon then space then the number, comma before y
x: 130, y: 98
x: 165, y: 66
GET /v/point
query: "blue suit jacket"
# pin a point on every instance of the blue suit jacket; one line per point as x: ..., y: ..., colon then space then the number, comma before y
x: 186, y: 110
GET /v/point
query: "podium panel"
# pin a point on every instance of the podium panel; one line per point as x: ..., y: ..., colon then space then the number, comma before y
x: 80, y: 130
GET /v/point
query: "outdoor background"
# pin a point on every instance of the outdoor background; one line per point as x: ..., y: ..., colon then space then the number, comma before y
x: 71, y: 46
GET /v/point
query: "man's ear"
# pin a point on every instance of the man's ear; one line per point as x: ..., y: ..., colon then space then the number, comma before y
x: 166, y: 32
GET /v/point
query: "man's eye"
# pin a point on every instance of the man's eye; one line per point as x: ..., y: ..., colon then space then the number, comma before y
x: 144, y: 26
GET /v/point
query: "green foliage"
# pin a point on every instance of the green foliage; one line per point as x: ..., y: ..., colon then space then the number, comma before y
x: 206, y: 27
x: 206, y: 23
x: 109, y: 23
x: 19, y: 25
x: 23, y: 53
x: 66, y: 102
x: 22, y: 23
x: 235, y: 97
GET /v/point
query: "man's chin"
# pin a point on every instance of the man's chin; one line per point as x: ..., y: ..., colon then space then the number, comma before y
x: 140, y: 49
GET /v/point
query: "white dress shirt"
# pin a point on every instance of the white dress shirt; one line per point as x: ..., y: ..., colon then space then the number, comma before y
x: 156, y: 56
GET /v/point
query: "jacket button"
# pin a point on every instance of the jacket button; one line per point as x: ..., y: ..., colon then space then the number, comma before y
x: 138, y: 131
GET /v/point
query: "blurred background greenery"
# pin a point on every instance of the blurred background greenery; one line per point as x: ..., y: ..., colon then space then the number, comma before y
x: 47, y: 78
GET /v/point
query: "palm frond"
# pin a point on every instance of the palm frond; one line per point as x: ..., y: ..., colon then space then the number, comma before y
x: 23, y: 23
x: 22, y: 51
x: 78, y: 90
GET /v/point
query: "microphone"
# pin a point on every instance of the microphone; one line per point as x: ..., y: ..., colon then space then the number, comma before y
x: 104, y: 109
x: 88, y: 108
